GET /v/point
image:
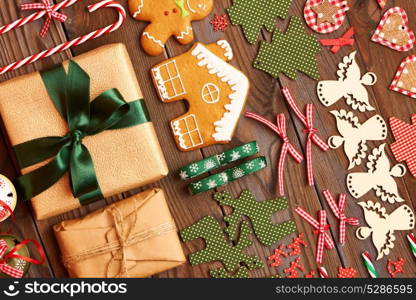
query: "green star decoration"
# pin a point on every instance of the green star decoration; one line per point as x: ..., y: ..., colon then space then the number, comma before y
x: 290, y: 52
x: 252, y: 15
x: 260, y: 215
x: 218, y: 248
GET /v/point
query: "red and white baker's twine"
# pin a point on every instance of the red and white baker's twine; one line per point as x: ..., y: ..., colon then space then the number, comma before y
x: 4, y: 267
x: 322, y: 228
x: 307, y: 121
x: 339, y: 212
x: 280, y: 129
x: 64, y: 46
x: 51, y: 14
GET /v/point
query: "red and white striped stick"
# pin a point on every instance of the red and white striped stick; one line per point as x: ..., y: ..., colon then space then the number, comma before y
x: 64, y: 46
x: 323, y: 273
x: 35, y: 16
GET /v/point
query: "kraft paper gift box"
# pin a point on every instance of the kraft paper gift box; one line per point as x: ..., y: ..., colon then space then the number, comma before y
x: 92, y: 246
x: 123, y: 159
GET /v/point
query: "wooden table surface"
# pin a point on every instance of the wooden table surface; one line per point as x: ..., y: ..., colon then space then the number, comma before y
x: 265, y: 98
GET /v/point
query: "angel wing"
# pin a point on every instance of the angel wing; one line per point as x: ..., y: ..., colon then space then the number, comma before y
x: 374, y: 129
x: 387, y: 190
x: 378, y: 162
x: 348, y: 69
x: 346, y: 122
x: 374, y: 213
x: 357, y: 98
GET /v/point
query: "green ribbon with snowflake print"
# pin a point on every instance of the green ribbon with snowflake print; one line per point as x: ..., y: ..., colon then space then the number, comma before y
x: 227, y: 176
x: 213, y: 162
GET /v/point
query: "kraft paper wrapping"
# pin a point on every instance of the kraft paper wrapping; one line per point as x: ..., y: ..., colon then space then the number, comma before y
x: 123, y: 159
x: 91, y: 246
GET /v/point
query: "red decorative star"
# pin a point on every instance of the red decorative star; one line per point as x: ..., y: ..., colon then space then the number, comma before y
x: 220, y: 22
x: 293, y: 269
x: 297, y: 241
x: 276, y: 256
x: 395, y: 267
x: 346, y: 272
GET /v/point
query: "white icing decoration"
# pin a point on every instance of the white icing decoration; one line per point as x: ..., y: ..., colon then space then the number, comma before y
x: 210, y: 93
x: 183, y: 33
x: 190, y: 8
x: 153, y: 39
x: 238, y: 83
x: 139, y: 9
x: 7, y: 195
x: 177, y: 131
x: 227, y: 47
x: 161, y: 83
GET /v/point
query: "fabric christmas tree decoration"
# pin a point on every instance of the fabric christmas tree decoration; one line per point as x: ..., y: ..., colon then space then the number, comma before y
x: 290, y: 52
x: 252, y: 15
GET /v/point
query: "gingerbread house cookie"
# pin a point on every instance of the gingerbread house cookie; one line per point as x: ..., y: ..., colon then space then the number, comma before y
x: 405, y: 79
x: 168, y: 18
x: 215, y: 90
x: 393, y: 30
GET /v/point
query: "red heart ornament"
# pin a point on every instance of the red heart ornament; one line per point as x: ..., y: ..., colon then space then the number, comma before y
x: 405, y: 79
x: 393, y: 30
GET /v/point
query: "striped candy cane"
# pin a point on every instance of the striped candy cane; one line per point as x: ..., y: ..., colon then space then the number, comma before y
x: 323, y: 273
x: 412, y: 242
x: 66, y: 45
x: 369, y: 265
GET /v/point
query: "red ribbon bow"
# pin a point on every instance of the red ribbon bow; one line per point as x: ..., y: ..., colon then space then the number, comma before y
x: 280, y: 129
x: 339, y: 212
x: 47, y: 6
x: 14, y: 272
x: 3, y: 214
x: 313, y: 137
x: 345, y: 39
x: 324, y: 239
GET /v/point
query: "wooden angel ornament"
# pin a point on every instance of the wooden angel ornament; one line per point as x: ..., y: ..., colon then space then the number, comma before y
x: 381, y: 226
x: 379, y: 177
x: 350, y: 85
x: 355, y: 135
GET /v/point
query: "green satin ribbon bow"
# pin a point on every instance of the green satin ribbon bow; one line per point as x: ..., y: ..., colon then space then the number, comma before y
x: 70, y: 94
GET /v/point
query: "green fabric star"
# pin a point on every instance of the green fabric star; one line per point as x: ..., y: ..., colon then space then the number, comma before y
x: 260, y: 215
x: 222, y: 273
x: 290, y: 52
x: 217, y: 247
x: 252, y: 15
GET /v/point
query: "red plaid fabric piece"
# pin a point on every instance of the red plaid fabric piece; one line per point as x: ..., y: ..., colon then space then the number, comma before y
x: 378, y: 36
x: 47, y: 6
x: 326, y: 27
x: 339, y: 212
x: 321, y: 226
x: 4, y: 267
x: 404, y: 147
x: 396, y: 85
x: 307, y: 121
x: 280, y: 129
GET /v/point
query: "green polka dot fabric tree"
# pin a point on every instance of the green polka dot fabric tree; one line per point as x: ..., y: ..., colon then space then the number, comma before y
x: 217, y: 247
x: 252, y: 15
x: 242, y: 272
x: 290, y: 52
x: 260, y: 215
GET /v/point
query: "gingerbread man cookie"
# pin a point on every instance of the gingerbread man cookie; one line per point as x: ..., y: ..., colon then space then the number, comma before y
x: 215, y: 90
x: 167, y: 18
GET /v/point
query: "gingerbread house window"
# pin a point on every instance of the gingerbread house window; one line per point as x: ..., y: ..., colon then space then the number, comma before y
x: 210, y: 93
x: 191, y: 134
x: 172, y: 79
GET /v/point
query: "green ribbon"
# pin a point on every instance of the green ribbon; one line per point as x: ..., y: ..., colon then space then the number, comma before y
x: 70, y: 94
x: 181, y: 5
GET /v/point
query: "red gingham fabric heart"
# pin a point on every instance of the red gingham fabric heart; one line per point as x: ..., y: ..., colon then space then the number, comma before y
x: 379, y: 36
x: 405, y: 69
